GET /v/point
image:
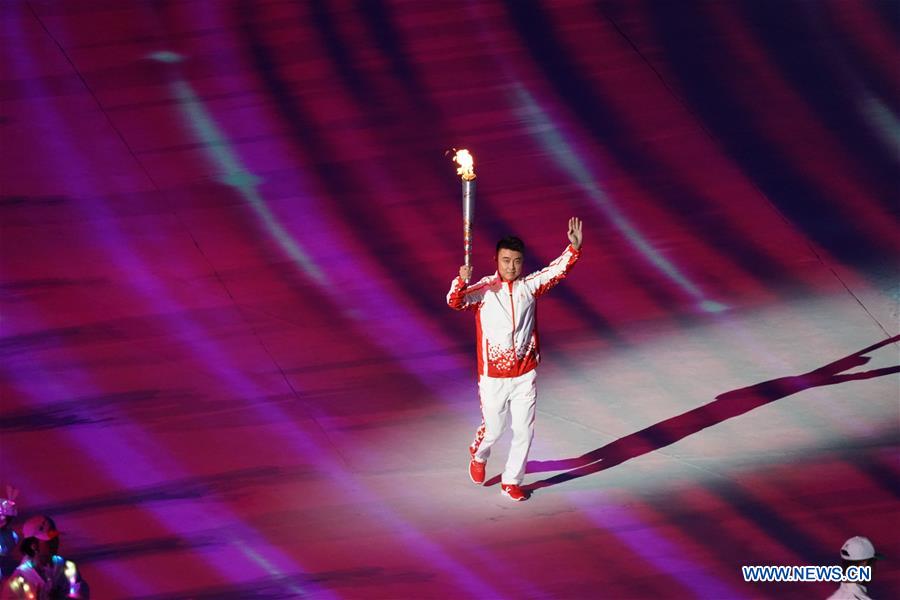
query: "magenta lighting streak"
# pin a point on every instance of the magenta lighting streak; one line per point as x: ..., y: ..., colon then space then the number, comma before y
x: 881, y: 120
x: 344, y: 272
x: 869, y: 39
x: 300, y: 442
x: 218, y: 362
x: 827, y: 165
x: 669, y: 561
x: 245, y: 183
x: 668, y: 558
x: 125, y: 457
x: 233, y: 173
x: 386, y: 317
x: 192, y: 296
x: 541, y: 126
x: 112, y: 453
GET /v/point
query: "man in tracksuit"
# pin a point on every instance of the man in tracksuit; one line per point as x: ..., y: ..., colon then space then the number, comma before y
x: 508, y: 350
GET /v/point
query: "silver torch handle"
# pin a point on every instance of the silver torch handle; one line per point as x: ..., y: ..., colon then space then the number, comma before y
x: 468, y: 201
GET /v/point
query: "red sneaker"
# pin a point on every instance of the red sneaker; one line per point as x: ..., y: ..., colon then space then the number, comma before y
x: 476, y: 471
x: 513, y: 492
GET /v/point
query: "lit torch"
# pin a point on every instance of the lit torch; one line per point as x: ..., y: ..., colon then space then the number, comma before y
x: 466, y: 171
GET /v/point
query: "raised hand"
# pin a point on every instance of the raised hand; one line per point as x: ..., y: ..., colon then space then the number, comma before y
x: 574, y: 233
x: 465, y: 272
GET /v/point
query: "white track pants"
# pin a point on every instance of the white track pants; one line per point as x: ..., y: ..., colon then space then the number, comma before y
x: 512, y: 397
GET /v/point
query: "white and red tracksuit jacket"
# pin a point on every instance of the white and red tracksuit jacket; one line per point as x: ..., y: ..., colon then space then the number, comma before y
x: 505, y: 318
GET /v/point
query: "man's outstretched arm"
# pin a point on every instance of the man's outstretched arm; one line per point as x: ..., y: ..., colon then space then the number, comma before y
x: 463, y: 297
x: 542, y: 281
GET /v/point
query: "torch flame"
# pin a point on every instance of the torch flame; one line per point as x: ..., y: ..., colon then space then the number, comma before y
x: 466, y: 164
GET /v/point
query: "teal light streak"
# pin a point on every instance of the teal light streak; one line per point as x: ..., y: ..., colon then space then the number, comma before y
x: 542, y: 127
x: 881, y: 120
x: 884, y: 122
x: 166, y: 56
x: 234, y: 173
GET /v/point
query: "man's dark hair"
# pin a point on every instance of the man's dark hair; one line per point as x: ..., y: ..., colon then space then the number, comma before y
x: 510, y: 242
x: 29, y: 546
x: 867, y: 562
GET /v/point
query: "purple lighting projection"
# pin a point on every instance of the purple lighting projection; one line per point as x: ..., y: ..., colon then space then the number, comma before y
x: 227, y: 231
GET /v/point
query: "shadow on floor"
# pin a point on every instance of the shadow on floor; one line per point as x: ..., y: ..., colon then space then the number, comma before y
x: 726, y: 406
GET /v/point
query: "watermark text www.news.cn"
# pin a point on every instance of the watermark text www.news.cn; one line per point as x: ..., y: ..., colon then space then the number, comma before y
x: 811, y: 573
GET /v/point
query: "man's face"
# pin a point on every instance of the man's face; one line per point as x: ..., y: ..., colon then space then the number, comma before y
x: 509, y: 264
